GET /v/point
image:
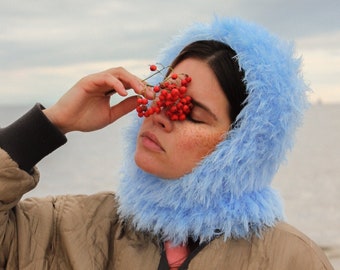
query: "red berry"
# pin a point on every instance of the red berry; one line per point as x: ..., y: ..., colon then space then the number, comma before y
x: 168, y: 103
x: 174, y: 117
x: 182, y: 117
x: 174, y: 76
x: 186, y: 109
x: 151, y: 110
x: 182, y: 89
x: 179, y: 106
x: 156, y: 88
x: 153, y: 67
x: 173, y: 109
x: 174, y: 92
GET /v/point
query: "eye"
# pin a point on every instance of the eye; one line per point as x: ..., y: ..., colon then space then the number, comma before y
x: 194, y: 119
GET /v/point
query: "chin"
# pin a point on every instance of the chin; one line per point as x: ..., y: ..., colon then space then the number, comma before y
x: 147, y: 164
x: 152, y: 167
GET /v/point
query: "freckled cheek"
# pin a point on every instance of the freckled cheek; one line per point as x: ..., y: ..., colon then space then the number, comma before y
x: 198, y: 144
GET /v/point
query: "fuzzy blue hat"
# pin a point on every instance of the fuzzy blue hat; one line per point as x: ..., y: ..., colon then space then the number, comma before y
x: 229, y: 191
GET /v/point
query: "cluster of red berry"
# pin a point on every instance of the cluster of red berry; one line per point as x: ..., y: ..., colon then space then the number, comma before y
x: 170, y: 97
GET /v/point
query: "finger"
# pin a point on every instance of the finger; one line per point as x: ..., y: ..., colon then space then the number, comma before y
x: 103, y: 83
x: 120, y: 85
x: 147, y: 92
x: 131, y: 81
x: 122, y: 108
x: 110, y: 92
x: 113, y: 85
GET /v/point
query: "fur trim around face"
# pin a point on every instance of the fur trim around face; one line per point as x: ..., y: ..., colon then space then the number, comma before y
x: 229, y: 192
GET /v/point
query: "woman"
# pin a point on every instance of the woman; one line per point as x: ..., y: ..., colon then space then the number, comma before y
x: 194, y: 194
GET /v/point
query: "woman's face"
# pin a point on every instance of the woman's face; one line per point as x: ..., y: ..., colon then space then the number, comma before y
x: 170, y: 149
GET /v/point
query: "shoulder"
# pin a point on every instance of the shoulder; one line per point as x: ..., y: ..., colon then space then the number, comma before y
x: 293, y: 248
x: 280, y: 247
x: 84, y: 207
x: 100, y: 203
x: 102, y: 199
x: 285, y: 236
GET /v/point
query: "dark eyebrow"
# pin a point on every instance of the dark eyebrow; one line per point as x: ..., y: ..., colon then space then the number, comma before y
x: 202, y: 106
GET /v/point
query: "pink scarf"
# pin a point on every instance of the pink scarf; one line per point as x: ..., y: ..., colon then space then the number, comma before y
x: 175, y: 255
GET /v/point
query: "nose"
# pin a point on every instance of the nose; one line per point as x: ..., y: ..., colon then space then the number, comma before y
x: 162, y: 120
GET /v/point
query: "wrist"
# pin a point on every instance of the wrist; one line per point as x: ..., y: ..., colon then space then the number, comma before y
x: 51, y: 115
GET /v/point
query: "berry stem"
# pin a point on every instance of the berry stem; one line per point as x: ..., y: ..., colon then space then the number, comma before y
x: 155, y: 72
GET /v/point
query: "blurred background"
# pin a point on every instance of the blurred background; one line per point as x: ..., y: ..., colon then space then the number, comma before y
x: 46, y: 46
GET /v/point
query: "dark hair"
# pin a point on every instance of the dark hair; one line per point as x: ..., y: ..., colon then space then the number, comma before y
x: 222, y: 60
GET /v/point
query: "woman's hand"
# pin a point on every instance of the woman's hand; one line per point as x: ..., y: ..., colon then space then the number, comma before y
x: 86, y: 106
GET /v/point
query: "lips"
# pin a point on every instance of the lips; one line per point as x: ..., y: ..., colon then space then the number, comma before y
x: 150, y: 141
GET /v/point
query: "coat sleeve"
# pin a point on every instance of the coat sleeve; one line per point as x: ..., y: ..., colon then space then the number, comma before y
x: 62, y: 232
x: 14, y: 182
x: 22, y: 144
x: 30, y: 138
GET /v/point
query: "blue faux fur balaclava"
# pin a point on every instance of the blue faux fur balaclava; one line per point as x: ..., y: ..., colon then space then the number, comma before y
x: 229, y: 192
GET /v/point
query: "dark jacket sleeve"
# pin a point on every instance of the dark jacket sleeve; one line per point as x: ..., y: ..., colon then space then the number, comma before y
x: 30, y: 138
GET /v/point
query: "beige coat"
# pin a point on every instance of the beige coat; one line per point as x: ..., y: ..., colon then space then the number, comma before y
x: 84, y: 232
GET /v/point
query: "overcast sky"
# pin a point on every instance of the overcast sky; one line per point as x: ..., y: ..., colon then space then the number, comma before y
x: 46, y: 46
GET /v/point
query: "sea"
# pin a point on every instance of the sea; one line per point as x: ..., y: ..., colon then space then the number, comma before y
x: 308, y: 181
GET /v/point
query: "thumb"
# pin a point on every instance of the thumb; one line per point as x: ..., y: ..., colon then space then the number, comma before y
x: 123, y: 107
